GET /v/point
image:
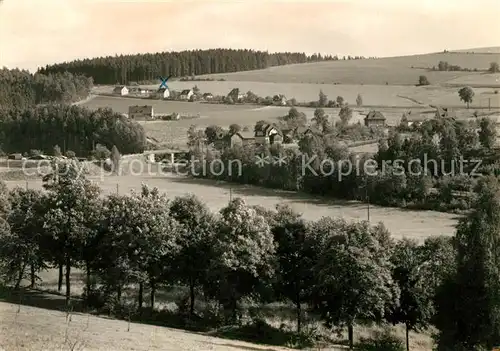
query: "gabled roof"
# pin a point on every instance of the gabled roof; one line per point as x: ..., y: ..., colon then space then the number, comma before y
x: 119, y: 87
x: 268, y: 127
x: 375, y: 116
x: 162, y: 90
x: 444, y: 112
x: 186, y: 91
x: 245, y: 134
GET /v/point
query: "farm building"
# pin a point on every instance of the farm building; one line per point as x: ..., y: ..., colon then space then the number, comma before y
x: 267, y: 134
x: 163, y: 93
x: 141, y: 112
x: 375, y: 119
x: 279, y: 100
x: 120, y: 90
x: 186, y: 94
x: 242, y: 138
x: 236, y: 95
x: 208, y: 96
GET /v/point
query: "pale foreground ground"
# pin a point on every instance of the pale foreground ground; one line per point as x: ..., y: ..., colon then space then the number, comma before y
x: 401, y: 223
x: 39, y: 329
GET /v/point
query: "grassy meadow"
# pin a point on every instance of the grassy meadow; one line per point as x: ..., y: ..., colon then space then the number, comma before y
x: 402, y: 70
x: 400, y: 222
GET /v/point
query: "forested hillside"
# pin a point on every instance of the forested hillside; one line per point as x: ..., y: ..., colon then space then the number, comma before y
x: 22, y: 89
x: 142, y: 67
x: 70, y: 127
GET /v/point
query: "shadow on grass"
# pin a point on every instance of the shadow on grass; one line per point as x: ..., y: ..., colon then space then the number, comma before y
x: 41, y: 299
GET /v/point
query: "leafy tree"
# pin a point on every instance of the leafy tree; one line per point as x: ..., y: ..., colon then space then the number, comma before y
x: 26, y: 242
x: 244, y: 251
x: 345, y: 115
x: 101, y: 152
x: 70, y: 195
x: 354, y: 282
x: 323, y: 99
x: 415, y: 307
x: 213, y: 133
x: 359, y: 100
x: 469, y: 301
x: 115, y: 158
x: 466, y: 95
x: 422, y: 80
x: 321, y: 119
x: 196, y: 138
x: 296, y: 254
x: 487, y: 133
x: 196, y: 243
x: 340, y: 101
x: 494, y: 67
x: 234, y: 128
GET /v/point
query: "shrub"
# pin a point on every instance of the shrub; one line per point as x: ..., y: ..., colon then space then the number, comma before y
x: 382, y: 341
x: 101, y: 152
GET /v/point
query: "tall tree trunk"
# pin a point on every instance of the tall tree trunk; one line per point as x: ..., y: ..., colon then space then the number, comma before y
x: 192, y: 297
x: 60, y: 280
x: 299, y: 315
x: 20, y: 276
x: 153, y: 292
x: 88, y: 282
x: 32, y: 276
x: 141, y: 295
x: 119, y: 293
x: 68, y: 280
x: 350, y: 334
x: 407, y: 337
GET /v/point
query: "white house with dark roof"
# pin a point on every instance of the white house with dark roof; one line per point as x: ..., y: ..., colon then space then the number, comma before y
x: 186, y: 94
x: 120, y: 90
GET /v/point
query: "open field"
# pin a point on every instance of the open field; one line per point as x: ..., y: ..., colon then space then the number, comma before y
x: 40, y: 329
x: 401, y: 223
x: 382, y: 71
x: 373, y: 95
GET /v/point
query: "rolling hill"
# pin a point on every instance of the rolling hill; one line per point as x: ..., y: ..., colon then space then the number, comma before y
x: 402, y: 70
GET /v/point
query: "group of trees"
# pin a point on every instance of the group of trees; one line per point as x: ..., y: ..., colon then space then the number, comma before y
x: 343, y: 273
x: 147, y: 67
x: 71, y: 127
x: 22, y: 89
x: 423, y: 170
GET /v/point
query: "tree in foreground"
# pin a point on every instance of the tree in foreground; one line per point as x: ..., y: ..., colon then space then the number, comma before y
x: 195, y: 244
x: 466, y: 95
x: 415, y: 308
x: 70, y: 196
x: 468, y: 303
x: 353, y: 274
x: 24, y: 247
x: 244, y: 251
x: 296, y: 255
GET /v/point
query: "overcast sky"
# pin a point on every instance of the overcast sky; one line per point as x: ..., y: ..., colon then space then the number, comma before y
x: 39, y: 32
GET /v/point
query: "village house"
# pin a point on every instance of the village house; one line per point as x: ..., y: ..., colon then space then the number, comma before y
x: 120, y: 90
x: 236, y: 95
x: 163, y: 93
x: 242, y: 138
x: 141, y: 112
x: 186, y: 94
x: 375, y: 119
x: 267, y: 134
x: 208, y: 96
x: 280, y: 100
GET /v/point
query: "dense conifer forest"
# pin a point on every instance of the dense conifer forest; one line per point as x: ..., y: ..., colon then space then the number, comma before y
x: 145, y: 67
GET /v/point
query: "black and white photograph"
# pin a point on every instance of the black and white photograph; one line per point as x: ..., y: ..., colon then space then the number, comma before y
x: 263, y: 175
